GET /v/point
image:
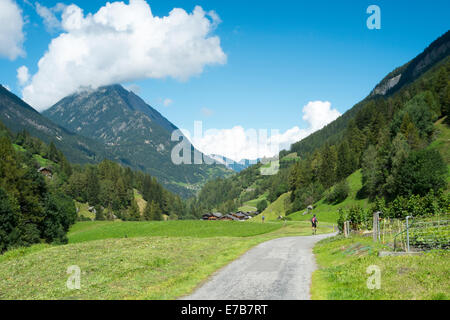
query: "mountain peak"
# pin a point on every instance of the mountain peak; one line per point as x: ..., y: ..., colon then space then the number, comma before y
x: 138, y: 135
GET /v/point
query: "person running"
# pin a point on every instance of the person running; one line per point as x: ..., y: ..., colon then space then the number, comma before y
x: 314, y: 224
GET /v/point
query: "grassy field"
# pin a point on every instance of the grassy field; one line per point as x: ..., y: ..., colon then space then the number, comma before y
x: 342, y: 272
x: 151, y: 267
x: 88, y: 231
x: 251, y: 204
x: 329, y: 212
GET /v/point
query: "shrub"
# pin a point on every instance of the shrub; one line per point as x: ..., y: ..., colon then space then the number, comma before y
x: 342, y: 217
x: 262, y: 205
x: 339, y: 192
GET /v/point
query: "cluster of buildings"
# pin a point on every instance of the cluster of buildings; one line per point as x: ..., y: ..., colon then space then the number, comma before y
x: 233, y: 216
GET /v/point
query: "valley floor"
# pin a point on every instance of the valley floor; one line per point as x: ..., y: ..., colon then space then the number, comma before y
x: 151, y: 262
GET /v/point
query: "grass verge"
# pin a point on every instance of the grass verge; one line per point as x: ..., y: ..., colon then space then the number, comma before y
x: 343, y: 264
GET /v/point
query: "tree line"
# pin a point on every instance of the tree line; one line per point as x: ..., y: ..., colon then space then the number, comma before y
x: 35, y: 208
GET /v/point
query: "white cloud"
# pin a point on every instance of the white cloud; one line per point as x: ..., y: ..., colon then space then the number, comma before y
x: 11, y: 33
x: 318, y: 114
x: 23, y: 75
x: 238, y: 143
x: 121, y: 43
x: 51, y: 22
x: 167, y: 102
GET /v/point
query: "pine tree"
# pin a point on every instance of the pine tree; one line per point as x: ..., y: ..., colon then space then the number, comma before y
x: 410, y: 132
x: 92, y: 186
x: 148, y: 215
x: 371, y: 172
x: 446, y: 103
x: 155, y: 211
x: 327, y: 174
x: 53, y: 153
x: 99, y: 214
x: 134, y: 212
x: 440, y: 84
x: 8, y: 221
x: 344, y: 161
x: 400, y: 150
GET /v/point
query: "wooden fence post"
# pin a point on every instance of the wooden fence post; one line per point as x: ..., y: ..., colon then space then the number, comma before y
x: 376, y: 225
x: 346, y: 228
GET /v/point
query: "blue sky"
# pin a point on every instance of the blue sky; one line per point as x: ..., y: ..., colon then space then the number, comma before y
x: 280, y: 56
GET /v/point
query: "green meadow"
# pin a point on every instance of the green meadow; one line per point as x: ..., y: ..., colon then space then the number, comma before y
x: 88, y: 231
x: 135, y: 260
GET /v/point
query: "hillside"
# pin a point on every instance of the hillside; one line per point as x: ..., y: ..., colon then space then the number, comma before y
x: 329, y: 212
x: 395, y: 81
x: 383, y: 147
x: 18, y: 116
x: 134, y: 133
x: 442, y: 144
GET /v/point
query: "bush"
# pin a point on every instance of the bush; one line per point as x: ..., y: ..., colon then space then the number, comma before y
x: 342, y: 217
x: 262, y: 205
x: 433, y: 203
x: 339, y: 192
x: 358, y: 217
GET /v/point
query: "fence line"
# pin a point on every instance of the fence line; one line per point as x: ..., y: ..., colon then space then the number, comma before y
x: 411, y: 234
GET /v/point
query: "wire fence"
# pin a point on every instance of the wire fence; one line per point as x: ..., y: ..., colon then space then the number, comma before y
x: 424, y: 234
x: 410, y: 234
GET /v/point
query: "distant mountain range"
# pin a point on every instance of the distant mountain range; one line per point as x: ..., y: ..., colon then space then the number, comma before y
x: 236, y: 166
x: 134, y: 133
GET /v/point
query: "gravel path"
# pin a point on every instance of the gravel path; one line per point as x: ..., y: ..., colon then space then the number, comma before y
x: 278, y: 269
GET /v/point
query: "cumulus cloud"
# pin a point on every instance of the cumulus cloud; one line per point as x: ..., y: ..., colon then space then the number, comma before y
x: 122, y: 43
x: 167, y: 102
x: 238, y: 143
x: 51, y: 22
x: 11, y: 33
x: 318, y: 114
x: 23, y: 75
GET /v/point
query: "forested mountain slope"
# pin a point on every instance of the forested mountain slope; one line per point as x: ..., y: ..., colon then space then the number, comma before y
x: 39, y: 187
x: 387, y: 136
x: 434, y: 54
